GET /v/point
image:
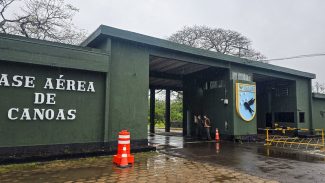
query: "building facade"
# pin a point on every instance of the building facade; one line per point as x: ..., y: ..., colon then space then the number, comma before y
x: 61, y: 99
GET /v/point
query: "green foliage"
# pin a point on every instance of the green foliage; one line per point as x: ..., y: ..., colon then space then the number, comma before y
x: 176, y: 112
x: 160, y: 124
x: 160, y: 111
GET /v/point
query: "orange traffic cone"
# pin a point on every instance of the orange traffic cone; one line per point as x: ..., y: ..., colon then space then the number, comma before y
x: 217, y: 135
x: 123, y: 157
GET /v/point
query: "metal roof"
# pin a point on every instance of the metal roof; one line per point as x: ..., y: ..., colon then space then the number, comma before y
x: 104, y: 30
x: 166, y: 72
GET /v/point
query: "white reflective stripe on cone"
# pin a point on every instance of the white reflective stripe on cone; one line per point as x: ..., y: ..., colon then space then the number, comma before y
x: 124, y: 136
x: 123, y: 142
x: 124, y: 155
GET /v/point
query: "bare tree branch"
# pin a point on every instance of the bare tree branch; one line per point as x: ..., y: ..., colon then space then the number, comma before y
x: 218, y: 40
x: 319, y: 88
x: 42, y: 19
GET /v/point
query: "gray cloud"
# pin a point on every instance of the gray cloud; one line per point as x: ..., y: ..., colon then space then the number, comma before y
x: 278, y: 28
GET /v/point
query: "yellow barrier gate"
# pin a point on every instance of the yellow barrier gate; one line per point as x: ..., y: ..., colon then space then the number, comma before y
x: 284, y: 140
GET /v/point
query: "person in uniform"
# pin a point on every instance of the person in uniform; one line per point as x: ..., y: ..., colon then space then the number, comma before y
x: 207, y: 126
x: 196, y: 126
x: 200, y: 126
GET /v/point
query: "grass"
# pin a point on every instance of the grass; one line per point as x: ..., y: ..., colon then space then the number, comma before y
x: 66, y: 162
x: 159, y: 125
x: 8, y: 168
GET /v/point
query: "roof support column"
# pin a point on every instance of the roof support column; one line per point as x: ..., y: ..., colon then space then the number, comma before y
x: 167, y: 111
x: 185, y: 113
x: 311, y: 122
x: 152, y: 110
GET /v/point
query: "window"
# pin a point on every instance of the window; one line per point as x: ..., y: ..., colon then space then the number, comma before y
x: 286, y: 117
x: 268, y: 119
x: 301, y: 117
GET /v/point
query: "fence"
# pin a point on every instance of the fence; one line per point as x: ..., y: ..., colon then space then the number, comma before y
x: 289, y: 138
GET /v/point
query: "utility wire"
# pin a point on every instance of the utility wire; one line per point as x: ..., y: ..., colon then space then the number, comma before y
x: 295, y: 57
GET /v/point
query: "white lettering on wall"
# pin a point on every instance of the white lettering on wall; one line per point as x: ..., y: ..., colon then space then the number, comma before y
x: 17, y: 81
x: 59, y: 83
x: 91, y: 87
x: 41, y: 97
x: 27, y: 114
x: 69, y: 85
x: 72, y: 114
x: 29, y: 83
x: 48, y: 84
x: 4, y: 80
x: 39, y: 114
x: 10, y: 113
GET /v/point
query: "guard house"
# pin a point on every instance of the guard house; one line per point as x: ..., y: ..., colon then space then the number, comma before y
x: 58, y: 99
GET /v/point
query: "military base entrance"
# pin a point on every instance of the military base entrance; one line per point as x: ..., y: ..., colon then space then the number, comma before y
x: 226, y: 96
x: 82, y: 96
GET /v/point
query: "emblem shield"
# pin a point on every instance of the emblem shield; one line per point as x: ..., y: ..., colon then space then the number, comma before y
x: 246, y: 101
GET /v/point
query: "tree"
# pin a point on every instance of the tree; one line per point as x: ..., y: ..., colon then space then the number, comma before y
x: 216, y: 39
x: 319, y: 88
x: 41, y: 19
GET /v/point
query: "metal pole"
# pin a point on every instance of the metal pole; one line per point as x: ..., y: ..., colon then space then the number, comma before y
x: 152, y: 110
x: 267, y: 137
x: 323, y: 137
x: 167, y: 111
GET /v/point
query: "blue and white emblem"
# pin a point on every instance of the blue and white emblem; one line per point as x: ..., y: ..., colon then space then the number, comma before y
x: 246, y: 101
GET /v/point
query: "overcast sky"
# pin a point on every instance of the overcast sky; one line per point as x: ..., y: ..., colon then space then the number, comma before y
x: 277, y: 28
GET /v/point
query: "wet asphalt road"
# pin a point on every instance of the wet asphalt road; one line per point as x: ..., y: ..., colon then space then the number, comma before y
x: 253, y: 158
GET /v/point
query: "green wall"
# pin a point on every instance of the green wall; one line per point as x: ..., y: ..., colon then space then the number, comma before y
x: 32, y: 51
x: 129, y: 85
x: 43, y: 59
x: 200, y: 100
x: 298, y: 100
x: 303, y: 98
x: 263, y: 103
x: 241, y: 127
x: 120, y: 100
x: 318, y: 111
x: 209, y: 101
x: 87, y: 127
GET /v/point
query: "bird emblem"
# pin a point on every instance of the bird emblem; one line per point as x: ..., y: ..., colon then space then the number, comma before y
x: 248, y: 105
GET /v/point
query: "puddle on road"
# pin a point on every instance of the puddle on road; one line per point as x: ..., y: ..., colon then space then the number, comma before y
x: 183, y: 147
x: 292, y: 154
x: 149, y: 167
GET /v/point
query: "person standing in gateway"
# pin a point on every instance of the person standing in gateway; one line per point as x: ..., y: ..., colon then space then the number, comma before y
x: 196, y: 126
x: 207, y: 126
x: 200, y: 126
